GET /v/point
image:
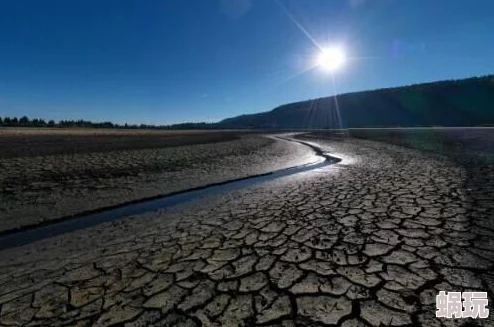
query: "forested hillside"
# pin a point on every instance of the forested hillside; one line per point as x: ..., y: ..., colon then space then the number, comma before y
x: 467, y: 102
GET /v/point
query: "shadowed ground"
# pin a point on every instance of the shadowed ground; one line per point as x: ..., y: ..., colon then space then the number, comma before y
x: 367, y: 242
x: 33, y: 142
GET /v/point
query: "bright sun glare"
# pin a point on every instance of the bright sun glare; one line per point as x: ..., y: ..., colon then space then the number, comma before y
x: 331, y: 59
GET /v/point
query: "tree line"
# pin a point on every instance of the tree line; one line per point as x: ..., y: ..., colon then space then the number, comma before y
x: 25, y: 121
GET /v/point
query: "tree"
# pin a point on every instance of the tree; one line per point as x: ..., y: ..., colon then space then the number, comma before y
x: 24, y: 121
x: 51, y: 123
x: 1, y: 121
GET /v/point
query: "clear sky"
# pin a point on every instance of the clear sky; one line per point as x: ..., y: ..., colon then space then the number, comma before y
x: 168, y: 61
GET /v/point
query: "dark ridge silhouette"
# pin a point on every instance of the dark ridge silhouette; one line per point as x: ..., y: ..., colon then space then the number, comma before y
x: 466, y: 102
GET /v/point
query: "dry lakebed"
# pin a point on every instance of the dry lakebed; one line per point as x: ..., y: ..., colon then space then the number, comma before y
x: 366, y: 241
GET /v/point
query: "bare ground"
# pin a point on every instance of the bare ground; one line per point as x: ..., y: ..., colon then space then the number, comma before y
x: 47, y: 175
x: 32, y: 142
x: 369, y: 241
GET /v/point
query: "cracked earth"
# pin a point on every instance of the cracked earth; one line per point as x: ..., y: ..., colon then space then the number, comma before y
x: 369, y: 241
x: 49, y: 186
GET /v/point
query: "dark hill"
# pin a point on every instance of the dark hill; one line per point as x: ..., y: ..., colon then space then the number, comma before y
x: 467, y: 102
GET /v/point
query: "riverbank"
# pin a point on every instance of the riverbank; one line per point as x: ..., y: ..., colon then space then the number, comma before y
x: 48, y: 177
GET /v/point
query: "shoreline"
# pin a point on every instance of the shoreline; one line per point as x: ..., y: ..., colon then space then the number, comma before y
x: 32, y: 233
x: 41, y: 189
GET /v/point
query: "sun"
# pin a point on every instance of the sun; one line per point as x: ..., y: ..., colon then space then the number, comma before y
x: 331, y: 59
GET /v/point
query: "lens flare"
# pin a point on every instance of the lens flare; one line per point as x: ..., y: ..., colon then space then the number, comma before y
x: 331, y: 59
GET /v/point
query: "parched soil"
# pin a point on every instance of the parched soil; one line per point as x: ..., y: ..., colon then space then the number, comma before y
x: 369, y: 241
x: 33, y: 142
x: 470, y: 148
x: 49, y: 176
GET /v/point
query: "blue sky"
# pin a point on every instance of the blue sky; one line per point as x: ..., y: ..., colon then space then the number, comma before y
x: 160, y: 62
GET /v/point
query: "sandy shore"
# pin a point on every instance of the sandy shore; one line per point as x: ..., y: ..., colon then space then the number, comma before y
x: 48, y: 178
x: 367, y: 242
